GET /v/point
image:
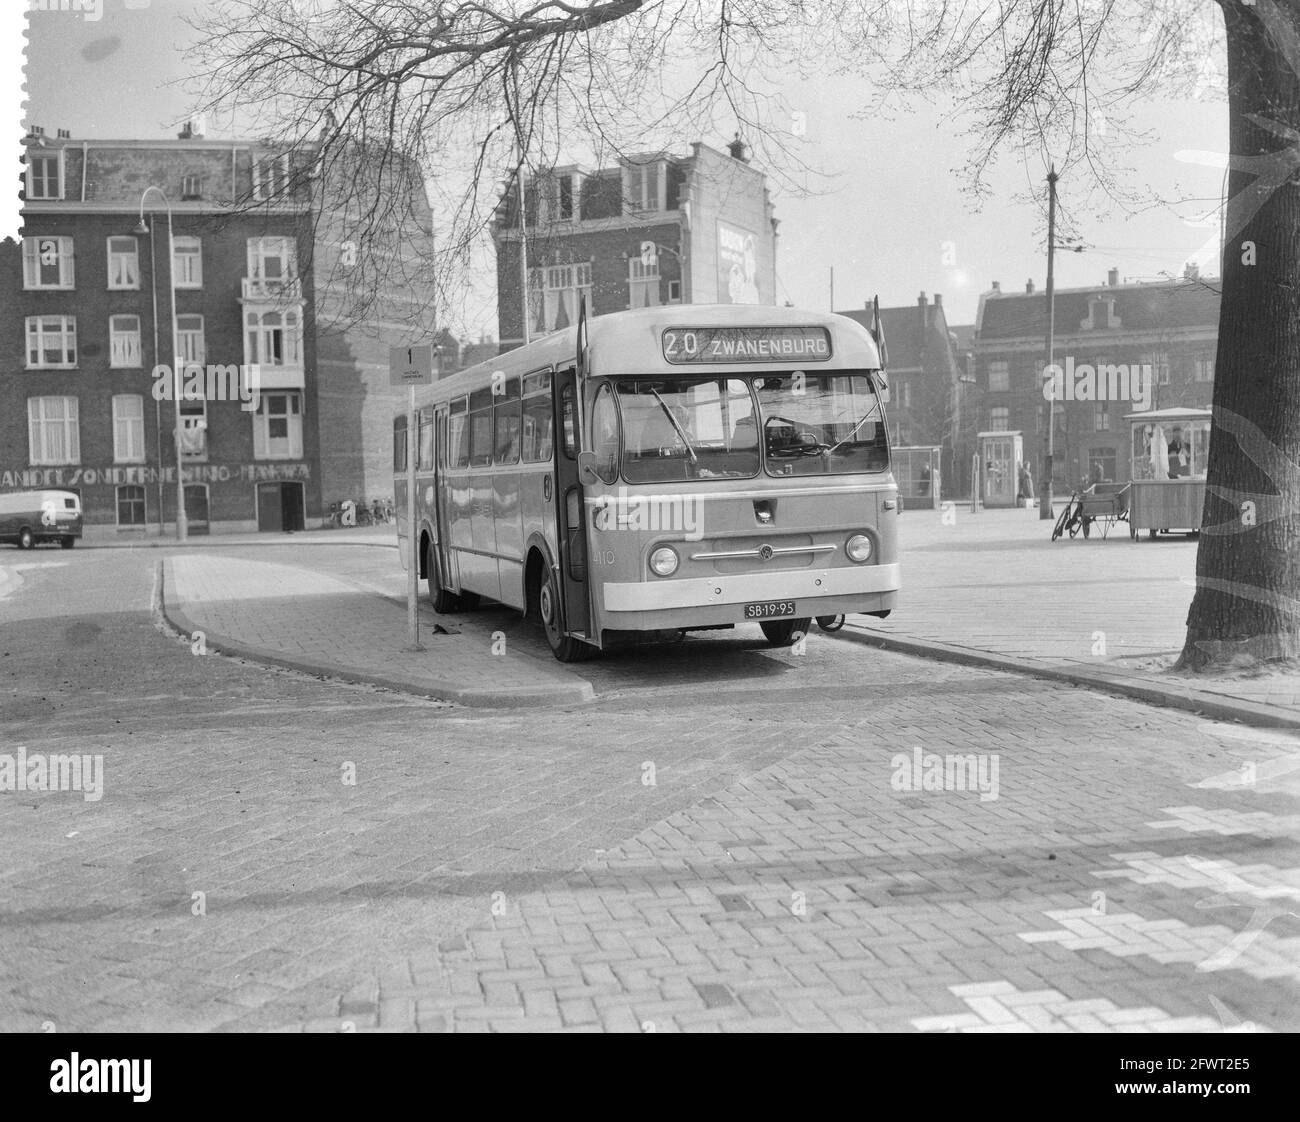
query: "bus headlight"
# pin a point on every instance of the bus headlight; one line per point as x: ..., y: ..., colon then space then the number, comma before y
x: 858, y: 548
x: 663, y: 561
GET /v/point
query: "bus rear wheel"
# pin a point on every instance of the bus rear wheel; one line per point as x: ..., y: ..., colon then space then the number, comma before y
x: 546, y: 597
x: 444, y: 602
x: 785, y: 632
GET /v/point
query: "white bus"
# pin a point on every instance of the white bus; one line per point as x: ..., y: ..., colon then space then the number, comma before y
x: 684, y: 467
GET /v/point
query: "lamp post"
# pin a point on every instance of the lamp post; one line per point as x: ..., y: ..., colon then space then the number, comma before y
x: 182, y: 522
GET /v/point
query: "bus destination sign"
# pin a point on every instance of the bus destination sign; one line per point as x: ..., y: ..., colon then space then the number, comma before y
x: 746, y: 344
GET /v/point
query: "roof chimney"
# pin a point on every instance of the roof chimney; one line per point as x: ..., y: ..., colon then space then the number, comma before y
x: 997, y: 288
x: 737, y: 149
x: 1112, y: 278
x: 65, y: 134
x: 1029, y: 287
x: 193, y: 129
x: 938, y: 300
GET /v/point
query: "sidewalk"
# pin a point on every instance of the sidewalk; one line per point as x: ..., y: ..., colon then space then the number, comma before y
x: 297, y: 617
x: 993, y: 589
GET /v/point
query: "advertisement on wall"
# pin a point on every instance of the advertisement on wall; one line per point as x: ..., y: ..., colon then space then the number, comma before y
x: 737, y: 266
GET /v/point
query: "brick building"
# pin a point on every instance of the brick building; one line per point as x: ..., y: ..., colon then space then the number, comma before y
x: 89, y: 294
x: 1172, y: 326
x: 655, y: 229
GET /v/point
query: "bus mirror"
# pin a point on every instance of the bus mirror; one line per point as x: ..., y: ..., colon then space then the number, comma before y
x: 587, y: 469
x: 882, y: 386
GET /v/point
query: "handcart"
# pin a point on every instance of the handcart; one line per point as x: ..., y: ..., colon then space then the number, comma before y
x: 1103, y: 503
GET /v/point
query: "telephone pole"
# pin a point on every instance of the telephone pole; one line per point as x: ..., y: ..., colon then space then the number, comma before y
x: 1049, y: 445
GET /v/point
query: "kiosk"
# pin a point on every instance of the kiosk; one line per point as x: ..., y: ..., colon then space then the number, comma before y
x: 1169, y: 450
x: 1000, y: 456
x: 916, y: 471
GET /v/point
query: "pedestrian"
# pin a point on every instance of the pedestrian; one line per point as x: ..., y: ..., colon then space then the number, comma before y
x: 1095, y: 474
x: 1026, y: 481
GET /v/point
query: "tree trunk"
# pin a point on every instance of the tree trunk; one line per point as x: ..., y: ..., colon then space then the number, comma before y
x: 1246, y: 608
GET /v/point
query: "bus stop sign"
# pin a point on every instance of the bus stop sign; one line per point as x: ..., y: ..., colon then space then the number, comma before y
x: 410, y: 366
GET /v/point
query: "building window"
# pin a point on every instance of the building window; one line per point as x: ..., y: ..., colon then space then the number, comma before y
x: 123, y: 263
x: 52, y: 433
x: 270, y: 176
x: 194, y: 429
x: 643, y: 186
x: 271, y: 259
x: 191, y: 187
x: 999, y: 377
x: 277, y: 427
x: 45, y: 175
x: 1101, y: 417
x: 554, y: 295
x: 130, y: 506
x: 674, y: 292
x: 570, y: 188
x: 189, y: 340
x: 187, y: 262
x: 1205, y: 368
x: 1159, y: 363
x: 47, y: 263
x: 1106, y: 458
x: 128, y: 428
x: 124, y: 341
x: 905, y: 394
x: 643, y: 282
x: 51, y: 342
x: 999, y: 419
x: 274, y: 337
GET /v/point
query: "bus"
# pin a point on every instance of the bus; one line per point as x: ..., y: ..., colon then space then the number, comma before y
x: 668, y: 469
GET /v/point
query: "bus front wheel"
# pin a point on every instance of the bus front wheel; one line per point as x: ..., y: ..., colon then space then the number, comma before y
x: 444, y: 602
x: 785, y: 632
x: 546, y: 596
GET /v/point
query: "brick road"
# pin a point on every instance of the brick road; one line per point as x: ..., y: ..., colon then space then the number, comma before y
x: 718, y: 841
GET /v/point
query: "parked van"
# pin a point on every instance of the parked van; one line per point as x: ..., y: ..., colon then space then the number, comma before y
x: 28, y: 518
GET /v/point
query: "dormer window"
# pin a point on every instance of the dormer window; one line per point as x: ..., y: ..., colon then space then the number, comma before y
x: 45, y: 175
x: 643, y: 186
x: 1101, y: 315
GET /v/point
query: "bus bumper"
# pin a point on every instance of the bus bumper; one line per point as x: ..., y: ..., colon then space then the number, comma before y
x: 720, y: 599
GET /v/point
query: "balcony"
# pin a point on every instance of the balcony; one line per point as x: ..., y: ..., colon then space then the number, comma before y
x: 281, y: 290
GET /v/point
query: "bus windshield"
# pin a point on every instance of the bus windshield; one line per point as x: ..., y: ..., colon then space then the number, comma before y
x: 819, y: 423
x: 708, y: 428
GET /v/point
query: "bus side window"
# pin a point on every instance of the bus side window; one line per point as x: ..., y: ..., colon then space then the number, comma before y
x: 458, y: 435
x: 425, y: 462
x: 480, y: 428
x: 537, y: 428
x: 506, y: 420
x: 566, y: 416
x: 399, y: 444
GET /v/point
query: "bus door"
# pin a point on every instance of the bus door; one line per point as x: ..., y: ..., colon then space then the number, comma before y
x: 570, y: 527
x: 438, y: 515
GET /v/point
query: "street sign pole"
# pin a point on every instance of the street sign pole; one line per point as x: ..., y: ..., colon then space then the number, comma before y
x: 411, y: 367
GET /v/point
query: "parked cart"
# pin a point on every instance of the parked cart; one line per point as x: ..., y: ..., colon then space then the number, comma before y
x: 1103, y: 504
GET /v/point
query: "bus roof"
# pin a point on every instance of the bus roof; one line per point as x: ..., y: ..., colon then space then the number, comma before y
x: 629, y: 343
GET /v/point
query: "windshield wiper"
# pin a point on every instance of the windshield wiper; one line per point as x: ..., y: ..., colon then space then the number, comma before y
x: 681, y: 433
x: 874, y: 411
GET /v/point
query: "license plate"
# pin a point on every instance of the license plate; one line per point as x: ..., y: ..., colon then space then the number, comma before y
x: 769, y: 609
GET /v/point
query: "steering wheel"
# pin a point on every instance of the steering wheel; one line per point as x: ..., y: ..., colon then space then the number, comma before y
x: 808, y: 444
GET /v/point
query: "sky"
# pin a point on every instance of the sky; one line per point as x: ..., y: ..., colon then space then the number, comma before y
x: 890, y: 216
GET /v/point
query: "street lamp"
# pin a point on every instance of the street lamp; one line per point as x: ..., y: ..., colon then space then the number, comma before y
x: 182, y: 522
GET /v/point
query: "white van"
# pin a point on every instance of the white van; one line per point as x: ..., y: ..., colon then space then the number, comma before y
x: 28, y: 518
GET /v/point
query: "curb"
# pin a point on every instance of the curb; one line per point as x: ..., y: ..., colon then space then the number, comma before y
x: 1200, y: 702
x: 175, y: 617
x: 218, y: 542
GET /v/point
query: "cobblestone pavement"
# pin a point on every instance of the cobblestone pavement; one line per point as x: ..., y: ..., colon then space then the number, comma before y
x: 995, y: 581
x: 728, y: 837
